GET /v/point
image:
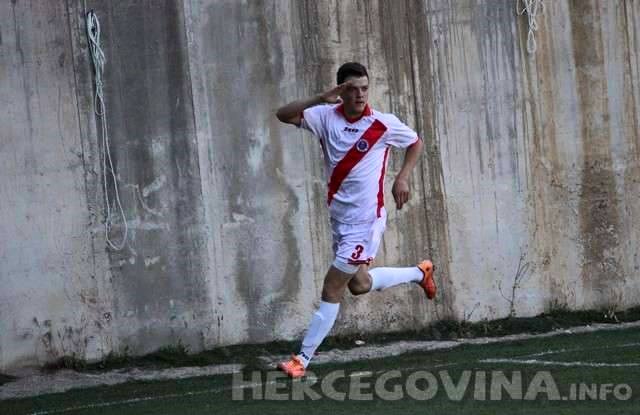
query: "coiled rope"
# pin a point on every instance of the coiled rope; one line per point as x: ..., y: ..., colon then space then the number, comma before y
x: 100, y: 109
x: 532, y: 8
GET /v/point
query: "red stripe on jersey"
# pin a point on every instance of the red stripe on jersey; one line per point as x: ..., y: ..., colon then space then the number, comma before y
x: 353, y: 156
x: 381, y: 183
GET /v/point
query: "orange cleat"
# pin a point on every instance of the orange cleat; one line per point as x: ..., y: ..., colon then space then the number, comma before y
x: 427, y: 283
x: 294, y: 367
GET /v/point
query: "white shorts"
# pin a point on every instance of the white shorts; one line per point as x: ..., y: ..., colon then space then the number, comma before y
x: 357, y: 244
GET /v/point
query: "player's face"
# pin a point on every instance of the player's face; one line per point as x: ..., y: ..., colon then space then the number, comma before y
x: 356, y: 96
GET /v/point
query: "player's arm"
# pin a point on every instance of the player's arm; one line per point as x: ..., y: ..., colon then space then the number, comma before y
x: 400, y: 188
x: 292, y: 112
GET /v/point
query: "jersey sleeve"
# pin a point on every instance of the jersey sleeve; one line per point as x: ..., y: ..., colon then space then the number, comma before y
x: 314, y: 119
x: 399, y: 135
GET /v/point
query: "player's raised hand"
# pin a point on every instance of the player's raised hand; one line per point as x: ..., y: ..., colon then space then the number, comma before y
x: 332, y: 96
x: 400, y: 191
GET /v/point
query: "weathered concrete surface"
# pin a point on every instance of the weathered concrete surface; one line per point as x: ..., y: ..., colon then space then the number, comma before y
x: 527, y: 156
x: 160, y: 286
x: 585, y: 164
x: 55, y: 287
x: 63, y: 294
x: 528, y: 150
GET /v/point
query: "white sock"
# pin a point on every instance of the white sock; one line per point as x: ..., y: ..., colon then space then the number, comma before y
x: 320, y: 326
x: 384, y: 277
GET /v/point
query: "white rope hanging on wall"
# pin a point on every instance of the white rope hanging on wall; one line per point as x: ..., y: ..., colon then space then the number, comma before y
x: 98, y: 59
x: 533, y: 8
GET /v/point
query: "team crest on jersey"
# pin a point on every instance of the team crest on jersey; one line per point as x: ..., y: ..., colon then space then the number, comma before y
x: 362, y: 145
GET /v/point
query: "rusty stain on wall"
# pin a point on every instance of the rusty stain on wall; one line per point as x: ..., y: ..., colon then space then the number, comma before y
x: 599, y: 221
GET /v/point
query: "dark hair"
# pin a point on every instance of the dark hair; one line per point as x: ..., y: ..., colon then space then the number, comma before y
x: 351, y: 69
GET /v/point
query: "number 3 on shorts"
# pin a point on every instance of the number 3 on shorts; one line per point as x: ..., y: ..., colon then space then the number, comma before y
x: 357, y: 252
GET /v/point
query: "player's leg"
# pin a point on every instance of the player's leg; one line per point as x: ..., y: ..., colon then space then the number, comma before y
x: 335, y: 283
x: 386, y: 277
x: 323, y: 319
x: 361, y: 281
x: 380, y: 278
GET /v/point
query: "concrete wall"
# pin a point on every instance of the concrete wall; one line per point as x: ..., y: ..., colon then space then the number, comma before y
x: 530, y: 160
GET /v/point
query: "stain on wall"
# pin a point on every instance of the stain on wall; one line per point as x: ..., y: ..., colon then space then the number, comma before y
x: 53, y: 295
x: 599, y: 223
x: 159, y: 277
x: 260, y: 244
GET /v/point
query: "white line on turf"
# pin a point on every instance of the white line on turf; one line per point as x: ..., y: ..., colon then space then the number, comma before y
x: 553, y: 363
x: 581, y: 349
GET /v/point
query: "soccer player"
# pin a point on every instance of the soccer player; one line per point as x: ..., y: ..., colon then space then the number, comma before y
x: 355, y: 141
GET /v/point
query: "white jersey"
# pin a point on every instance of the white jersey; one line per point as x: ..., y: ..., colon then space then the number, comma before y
x: 355, y: 154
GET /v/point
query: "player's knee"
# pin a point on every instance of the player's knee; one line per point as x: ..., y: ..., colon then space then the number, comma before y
x: 332, y: 294
x: 358, y: 287
x: 361, y: 284
x: 335, y: 283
